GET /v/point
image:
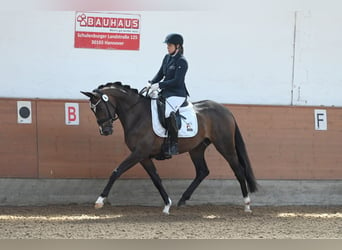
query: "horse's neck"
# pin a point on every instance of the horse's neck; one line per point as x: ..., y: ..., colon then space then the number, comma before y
x: 129, y: 110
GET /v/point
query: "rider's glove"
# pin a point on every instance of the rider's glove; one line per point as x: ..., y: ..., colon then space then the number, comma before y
x: 154, y: 87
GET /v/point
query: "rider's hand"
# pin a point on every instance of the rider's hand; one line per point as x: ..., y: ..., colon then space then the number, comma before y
x: 154, y: 87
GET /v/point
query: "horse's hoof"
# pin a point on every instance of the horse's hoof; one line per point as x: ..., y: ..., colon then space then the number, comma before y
x: 248, y: 210
x: 181, y: 203
x: 166, y: 209
x: 247, y: 201
x: 98, y: 205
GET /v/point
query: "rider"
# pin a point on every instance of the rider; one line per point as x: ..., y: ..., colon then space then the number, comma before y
x: 170, y: 82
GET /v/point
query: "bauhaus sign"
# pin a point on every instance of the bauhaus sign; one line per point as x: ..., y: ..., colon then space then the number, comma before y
x: 99, y: 30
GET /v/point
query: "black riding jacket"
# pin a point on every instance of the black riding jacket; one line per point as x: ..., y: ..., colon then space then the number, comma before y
x: 172, y: 72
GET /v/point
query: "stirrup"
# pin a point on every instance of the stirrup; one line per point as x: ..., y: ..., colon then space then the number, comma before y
x: 174, y: 148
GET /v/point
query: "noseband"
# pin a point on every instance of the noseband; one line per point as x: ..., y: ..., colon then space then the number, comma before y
x: 110, y: 117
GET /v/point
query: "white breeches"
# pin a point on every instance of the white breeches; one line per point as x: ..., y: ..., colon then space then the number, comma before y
x: 172, y: 104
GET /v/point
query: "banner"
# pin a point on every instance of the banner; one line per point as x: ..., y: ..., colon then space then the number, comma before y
x: 97, y: 30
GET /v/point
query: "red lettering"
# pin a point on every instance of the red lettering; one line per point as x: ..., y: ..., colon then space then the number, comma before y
x: 72, y: 116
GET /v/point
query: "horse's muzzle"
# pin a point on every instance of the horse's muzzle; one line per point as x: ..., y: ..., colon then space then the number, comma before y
x: 106, y: 130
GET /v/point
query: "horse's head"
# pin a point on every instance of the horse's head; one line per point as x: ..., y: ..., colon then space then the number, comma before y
x: 104, y: 108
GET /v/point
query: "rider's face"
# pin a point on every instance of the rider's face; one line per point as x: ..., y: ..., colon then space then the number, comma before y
x: 171, y: 48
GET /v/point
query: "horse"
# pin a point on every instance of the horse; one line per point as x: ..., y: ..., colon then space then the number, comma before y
x: 114, y: 101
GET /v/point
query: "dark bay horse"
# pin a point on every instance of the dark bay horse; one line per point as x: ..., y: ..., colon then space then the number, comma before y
x: 216, y: 125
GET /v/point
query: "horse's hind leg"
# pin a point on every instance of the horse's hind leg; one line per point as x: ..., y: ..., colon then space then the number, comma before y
x: 229, y: 153
x: 152, y: 172
x: 197, y: 157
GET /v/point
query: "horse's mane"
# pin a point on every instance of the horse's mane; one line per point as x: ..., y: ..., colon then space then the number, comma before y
x: 117, y: 85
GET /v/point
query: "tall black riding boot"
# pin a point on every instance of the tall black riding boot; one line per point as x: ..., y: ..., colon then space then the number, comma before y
x: 172, y: 136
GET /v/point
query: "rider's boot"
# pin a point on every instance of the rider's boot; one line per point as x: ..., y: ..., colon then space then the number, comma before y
x: 171, y: 146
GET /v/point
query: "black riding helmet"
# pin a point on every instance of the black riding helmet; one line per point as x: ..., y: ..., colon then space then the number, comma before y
x: 174, y: 39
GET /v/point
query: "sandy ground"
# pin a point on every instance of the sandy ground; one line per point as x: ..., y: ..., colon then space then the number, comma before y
x: 191, y: 222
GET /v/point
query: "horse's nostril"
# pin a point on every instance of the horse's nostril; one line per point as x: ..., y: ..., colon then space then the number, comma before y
x: 106, y: 131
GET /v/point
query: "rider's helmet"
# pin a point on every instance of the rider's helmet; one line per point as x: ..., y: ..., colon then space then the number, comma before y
x: 174, y: 39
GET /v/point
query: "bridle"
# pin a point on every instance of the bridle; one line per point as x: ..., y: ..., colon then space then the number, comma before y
x: 110, y: 117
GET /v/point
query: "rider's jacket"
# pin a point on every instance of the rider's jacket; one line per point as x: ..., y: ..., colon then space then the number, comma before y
x: 172, y: 72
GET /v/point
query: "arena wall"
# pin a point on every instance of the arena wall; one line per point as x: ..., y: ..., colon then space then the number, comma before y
x: 281, y: 140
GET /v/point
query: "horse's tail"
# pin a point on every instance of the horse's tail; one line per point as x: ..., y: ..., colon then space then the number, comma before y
x: 244, y: 160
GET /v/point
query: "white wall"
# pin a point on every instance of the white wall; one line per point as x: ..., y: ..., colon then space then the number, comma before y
x: 240, y: 53
x: 318, y: 63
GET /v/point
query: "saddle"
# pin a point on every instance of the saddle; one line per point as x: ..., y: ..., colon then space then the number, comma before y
x: 186, y: 119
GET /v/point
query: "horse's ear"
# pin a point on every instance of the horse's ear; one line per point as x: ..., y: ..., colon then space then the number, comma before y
x: 89, y: 94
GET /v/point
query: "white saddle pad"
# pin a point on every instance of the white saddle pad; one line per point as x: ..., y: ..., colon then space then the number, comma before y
x: 189, y: 125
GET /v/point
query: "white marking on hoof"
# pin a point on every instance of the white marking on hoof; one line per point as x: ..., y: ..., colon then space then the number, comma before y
x: 247, y: 201
x: 167, y: 207
x: 99, y: 203
x: 248, y: 209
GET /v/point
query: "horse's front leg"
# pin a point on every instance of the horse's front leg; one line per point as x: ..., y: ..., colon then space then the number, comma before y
x: 129, y: 162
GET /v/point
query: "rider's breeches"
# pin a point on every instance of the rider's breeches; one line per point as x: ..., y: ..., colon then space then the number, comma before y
x: 172, y: 104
